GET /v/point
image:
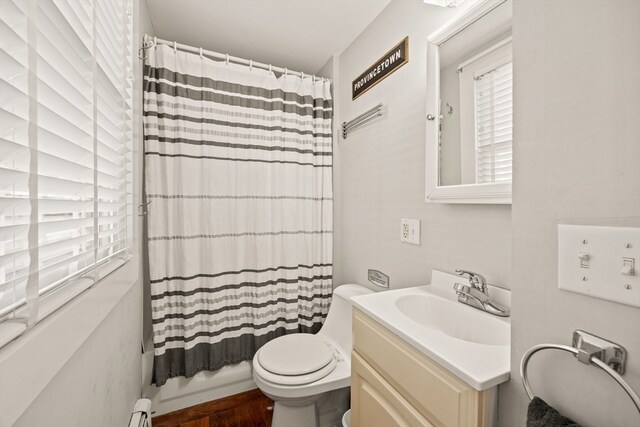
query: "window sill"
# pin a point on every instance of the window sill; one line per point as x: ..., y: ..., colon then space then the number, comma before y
x: 32, y: 360
x: 10, y: 329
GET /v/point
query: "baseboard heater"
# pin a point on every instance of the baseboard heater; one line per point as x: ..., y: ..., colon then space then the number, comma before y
x: 141, y: 415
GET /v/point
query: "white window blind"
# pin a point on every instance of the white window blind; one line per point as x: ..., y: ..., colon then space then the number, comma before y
x: 66, y: 129
x: 494, y: 124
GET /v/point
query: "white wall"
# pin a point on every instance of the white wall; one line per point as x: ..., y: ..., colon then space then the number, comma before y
x: 577, y: 160
x: 81, y: 366
x: 380, y: 170
x: 330, y: 70
x: 99, y: 384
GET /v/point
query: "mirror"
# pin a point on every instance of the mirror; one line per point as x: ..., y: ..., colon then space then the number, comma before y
x: 470, y: 106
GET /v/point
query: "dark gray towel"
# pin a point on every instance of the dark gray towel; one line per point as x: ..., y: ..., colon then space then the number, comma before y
x: 540, y: 414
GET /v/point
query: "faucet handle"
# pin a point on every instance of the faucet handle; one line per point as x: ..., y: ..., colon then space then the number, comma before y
x: 476, y: 279
x: 460, y: 288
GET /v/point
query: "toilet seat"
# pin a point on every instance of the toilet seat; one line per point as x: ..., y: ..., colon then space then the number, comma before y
x: 295, y: 359
x: 295, y: 354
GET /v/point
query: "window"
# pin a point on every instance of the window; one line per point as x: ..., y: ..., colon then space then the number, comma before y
x: 494, y: 124
x: 486, y: 115
x: 65, y: 143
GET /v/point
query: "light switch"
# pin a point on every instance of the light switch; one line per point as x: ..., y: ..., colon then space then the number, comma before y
x: 584, y: 259
x: 628, y: 266
x: 600, y: 262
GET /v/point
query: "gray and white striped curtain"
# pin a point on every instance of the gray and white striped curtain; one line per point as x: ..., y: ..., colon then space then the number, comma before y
x: 238, y: 173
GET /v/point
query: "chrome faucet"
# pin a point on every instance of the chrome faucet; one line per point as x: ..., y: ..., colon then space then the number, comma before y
x: 475, y: 280
x: 476, y: 294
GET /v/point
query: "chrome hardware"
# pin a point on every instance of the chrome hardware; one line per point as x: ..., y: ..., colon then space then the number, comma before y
x: 476, y: 294
x: 475, y: 280
x: 480, y: 300
x: 449, y: 109
x: 142, y: 208
x: 589, y: 345
x: 147, y: 43
x: 591, y: 350
x: 431, y: 117
x: 361, y: 120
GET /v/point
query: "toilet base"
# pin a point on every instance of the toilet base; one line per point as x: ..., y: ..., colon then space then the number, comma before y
x: 322, y: 410
x: 287, y: 416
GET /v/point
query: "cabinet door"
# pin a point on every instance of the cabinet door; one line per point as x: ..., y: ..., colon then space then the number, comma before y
x: 374, y: 403
x: 438, y: 395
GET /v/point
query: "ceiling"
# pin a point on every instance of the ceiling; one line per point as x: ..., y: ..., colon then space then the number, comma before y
x: 298, y: 34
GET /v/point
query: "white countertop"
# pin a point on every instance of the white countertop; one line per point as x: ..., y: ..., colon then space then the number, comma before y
x: 482, y: 366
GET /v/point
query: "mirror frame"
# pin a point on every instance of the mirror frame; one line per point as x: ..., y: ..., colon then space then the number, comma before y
x: 485, y: 193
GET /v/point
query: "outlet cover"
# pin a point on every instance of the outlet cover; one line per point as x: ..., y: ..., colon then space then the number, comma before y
x: 410, y: 231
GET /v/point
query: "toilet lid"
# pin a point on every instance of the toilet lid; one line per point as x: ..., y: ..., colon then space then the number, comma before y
x: 295, y: 354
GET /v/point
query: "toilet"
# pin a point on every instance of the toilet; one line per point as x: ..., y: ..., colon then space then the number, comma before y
x: 306, y: 375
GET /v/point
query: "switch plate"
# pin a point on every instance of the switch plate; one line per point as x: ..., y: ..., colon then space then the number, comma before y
x: 609, y: 249
x: 410, y: 231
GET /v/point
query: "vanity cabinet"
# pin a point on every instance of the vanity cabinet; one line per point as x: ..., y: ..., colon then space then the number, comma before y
x: 393, y: 384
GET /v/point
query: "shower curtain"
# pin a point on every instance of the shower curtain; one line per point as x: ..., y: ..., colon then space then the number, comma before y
x: 238, y: 176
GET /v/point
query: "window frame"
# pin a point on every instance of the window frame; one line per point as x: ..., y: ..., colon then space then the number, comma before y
x: 492, y: 193
x: 22, y: 316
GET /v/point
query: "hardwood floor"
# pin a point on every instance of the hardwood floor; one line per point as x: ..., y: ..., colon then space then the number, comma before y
x: 248, y: 409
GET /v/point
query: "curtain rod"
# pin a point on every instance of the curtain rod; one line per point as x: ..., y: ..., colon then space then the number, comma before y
x: 149, y: 41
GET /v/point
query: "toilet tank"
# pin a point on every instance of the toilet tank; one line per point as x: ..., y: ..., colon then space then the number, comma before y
x: 337, y: 325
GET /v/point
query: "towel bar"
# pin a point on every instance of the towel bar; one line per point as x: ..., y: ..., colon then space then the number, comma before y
x: 588, y: 354
x: 361, y: 119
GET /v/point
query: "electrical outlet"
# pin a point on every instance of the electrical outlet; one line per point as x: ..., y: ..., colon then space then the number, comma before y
x: 410, y: 231
x: 404, y: 231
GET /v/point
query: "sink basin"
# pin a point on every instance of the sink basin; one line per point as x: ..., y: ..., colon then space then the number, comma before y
x: 469, y: 343
x: 454, y: 319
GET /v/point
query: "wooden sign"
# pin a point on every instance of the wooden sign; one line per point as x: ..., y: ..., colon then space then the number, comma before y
x: 390, y: 62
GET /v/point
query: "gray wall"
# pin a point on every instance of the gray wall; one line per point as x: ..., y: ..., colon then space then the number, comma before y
x: 577, y: 151
x: 577, y: 160
x: 380, y: 170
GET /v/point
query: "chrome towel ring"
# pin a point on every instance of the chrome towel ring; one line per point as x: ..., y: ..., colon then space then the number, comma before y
x: 587, y: 353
